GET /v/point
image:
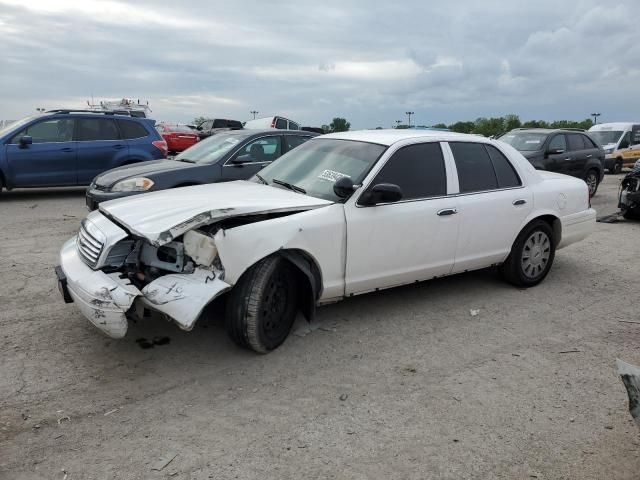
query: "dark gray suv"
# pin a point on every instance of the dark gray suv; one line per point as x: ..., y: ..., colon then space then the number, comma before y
x: 567, y: 151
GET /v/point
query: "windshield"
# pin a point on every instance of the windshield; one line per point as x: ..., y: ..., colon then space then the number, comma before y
x: 315, y: 165
x: 524, y: 141
x: 16, y: 125
x: 605, y: 137
x: 211, y: 149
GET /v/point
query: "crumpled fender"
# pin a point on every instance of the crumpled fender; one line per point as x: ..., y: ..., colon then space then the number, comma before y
x: 183, y: 296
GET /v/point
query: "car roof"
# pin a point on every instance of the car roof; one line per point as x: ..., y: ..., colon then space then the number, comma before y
x: 391, y: 136
x: 262, y: 131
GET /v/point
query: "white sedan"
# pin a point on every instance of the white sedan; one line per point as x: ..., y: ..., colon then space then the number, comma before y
x: 341, y: 215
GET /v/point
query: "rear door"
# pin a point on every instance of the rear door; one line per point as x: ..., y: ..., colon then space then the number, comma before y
x: 100, y: 147
x: 492, y: 205
x: 578, y: 155
x: 257, y: 154
x: 50, y: 160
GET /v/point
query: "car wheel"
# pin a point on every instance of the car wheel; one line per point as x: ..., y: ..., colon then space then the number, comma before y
x: 263, y: 305
x: 631, y: 213
x: 592, y: 179
x: 617, y: 168
x: 531, y: 255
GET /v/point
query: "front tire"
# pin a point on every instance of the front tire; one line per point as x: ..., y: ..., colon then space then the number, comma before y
x: 531, y: 255
x: 263, y: 305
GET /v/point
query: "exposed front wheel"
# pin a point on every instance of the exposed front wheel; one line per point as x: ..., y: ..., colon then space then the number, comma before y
x: 263, y: 305
x: 531, y: 255
x: 592, y: 180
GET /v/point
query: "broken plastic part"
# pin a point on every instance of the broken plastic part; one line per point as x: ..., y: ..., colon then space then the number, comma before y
x: 201, y: 248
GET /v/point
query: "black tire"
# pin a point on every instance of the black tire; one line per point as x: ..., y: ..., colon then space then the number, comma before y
x: 631, y: 213
x: 592, y: 178
x: 263, y: 305
x: 617, y: 167
x: 514, y: 269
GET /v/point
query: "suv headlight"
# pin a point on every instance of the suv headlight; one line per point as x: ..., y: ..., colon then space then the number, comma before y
x: 138, y: 184
x: 608, y: 150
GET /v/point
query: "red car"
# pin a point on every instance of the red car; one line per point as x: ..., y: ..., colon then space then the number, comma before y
x: 178, y: 137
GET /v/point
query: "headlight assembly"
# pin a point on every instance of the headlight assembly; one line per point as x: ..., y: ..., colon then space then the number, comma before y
x: 138, y: 184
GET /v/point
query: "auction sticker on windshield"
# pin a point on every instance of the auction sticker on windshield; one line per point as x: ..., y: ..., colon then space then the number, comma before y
x: 331, y: 175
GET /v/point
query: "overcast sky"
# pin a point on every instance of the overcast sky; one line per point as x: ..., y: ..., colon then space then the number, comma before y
x: 369, y: 61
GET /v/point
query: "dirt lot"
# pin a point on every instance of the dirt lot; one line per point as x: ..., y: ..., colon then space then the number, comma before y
x: 401, y: 384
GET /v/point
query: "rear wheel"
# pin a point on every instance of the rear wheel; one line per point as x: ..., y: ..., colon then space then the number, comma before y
x: 592, y: 179
x: 263, y: 305
x: 531, y: 255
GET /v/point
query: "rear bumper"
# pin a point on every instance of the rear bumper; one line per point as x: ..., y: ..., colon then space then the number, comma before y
x: 577, y: 226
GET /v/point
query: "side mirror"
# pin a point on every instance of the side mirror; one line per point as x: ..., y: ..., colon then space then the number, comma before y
x: 242, y: 159
x: 382, y: 193
x: 26, y: 140
x: 343, y: 187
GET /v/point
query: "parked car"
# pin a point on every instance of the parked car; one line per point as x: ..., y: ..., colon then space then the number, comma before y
x: 178, y: 137
x: 621, y: 144
x: 232, y: 155
x: 217, y: 125
x: 277, y: 122
x: 568, y: 151
x: 66, y: 147
x: 341, y: 215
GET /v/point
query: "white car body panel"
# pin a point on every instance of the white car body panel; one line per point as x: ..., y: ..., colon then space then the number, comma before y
x: 356, y: 249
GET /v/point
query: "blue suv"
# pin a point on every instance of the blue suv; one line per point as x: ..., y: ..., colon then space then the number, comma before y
x: 70, y: 147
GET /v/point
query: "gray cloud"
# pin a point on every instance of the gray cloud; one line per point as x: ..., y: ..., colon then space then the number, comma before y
x: 369, y: 61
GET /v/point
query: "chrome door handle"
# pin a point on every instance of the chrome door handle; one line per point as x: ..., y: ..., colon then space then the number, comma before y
x: 521, y: 201
x: 589, y: 156
x: 568, y: 158
x: 447, y: 211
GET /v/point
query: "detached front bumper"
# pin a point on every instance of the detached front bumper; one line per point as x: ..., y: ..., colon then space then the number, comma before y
x: 103, y: 298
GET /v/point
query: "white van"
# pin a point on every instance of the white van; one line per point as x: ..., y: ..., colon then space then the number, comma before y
x: 280, y: 123
x: 621, y: 143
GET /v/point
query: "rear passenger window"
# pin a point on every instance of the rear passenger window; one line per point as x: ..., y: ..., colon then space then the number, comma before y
x: 281, y: 124
x: 294, y: 141
x: 418, y: 170
x: 131, y: 129
x: 475, y: 170
x: 219, y: 123
x: 575, y: 142
x: 505, y: 173
x: 293, y: 126
x: 97, y: 129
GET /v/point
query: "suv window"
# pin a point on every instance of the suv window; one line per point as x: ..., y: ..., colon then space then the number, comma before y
x: 97, y: 129
x: 265, y: 149
x: 294, y: 141
x: 281, y: 124
x: 575, y: 142
x: 505, y: 173
x: 234, y: 124
x: 417, y: 169
x: 294, y: 126
x: 588, y: 143
x: 219, y: 123
x: 558, y: 143
x: 48, y: 131
x: 475, y: 170
x: 131, y: 129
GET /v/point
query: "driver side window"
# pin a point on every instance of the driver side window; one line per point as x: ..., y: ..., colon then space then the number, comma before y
x: 417, y: 169
x: 261, y: 150
x: 558, y: 143
x: 48, y: 131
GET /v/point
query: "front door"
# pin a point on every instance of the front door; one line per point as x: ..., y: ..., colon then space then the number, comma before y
x: 492, y: 205
x: 252, y: 158
x: 411, y: 239
x: 49, y: 161
x: 559, y: 157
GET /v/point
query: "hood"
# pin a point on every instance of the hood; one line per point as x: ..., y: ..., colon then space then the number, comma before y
x: 111, y: 177
x: 164, y: 215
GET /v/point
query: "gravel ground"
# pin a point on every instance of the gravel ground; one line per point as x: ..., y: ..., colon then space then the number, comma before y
x: 404, y: 384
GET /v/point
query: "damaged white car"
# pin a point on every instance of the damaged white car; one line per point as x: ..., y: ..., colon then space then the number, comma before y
x: 341, y: 215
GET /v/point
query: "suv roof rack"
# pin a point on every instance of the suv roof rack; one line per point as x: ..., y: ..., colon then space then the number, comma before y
x: 80, y: 110
x: 572, y: 129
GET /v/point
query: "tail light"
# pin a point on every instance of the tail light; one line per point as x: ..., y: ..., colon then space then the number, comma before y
x: 273, y: 123
x: 162, y: 146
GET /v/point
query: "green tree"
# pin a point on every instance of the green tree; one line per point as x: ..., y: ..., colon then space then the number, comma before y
x: 462, y: 127
x: 439, y: 125
x: 510, y: 122
x: 326, y: 128
x: 535, y: 124
x: 339, y: 124
x: 198, y: 120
